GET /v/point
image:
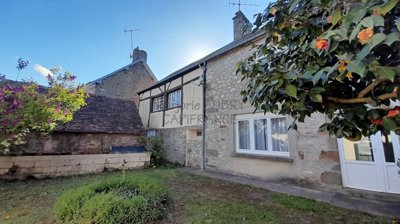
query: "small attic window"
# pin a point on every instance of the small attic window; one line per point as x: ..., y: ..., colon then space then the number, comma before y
x: 194, y: 133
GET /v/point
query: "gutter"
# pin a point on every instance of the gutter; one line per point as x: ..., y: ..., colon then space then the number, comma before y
x: 203, y: 150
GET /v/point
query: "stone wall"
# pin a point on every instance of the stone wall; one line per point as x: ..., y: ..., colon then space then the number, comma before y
x: 125, y: 83
x: 179, y: 148
x: 19, y: 167
x: 313, y: 156
x: 74, y: 143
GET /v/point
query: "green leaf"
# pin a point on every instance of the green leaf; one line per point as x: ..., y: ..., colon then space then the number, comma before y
x: 376, y: 39
x: 391, y: 38
x: 337, y: 15
x: 290, y: 75
x: 384, y: 72
x: 363, y: 53
x: 316, y: 98
x: 387, y: 7
x: 291, y: 90
x: 357, y: 67
x: 389, y: 124
x: 378, y: 20
x: 340, y: 34
x: 293, y: 5
x: 374, y: 115
x: 318, y: 90
x: 398, y: 26
x: 358, y: 15
x: 317, y: 77
x: 355, y: 31
x: 368, y: 22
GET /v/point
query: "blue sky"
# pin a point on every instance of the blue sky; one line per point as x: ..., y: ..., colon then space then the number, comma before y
x: 86, y: 37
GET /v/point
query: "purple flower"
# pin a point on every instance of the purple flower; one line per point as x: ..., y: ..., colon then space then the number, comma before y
x: 5, y: 122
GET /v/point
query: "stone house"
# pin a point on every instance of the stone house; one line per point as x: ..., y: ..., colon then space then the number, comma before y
x: 199, y: 113
x: 103, y: 124
x: 124, y: 83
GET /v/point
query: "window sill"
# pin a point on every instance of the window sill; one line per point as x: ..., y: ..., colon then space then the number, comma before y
x: 265, y: 157
x: 156, y: 111
x: 170, y: 108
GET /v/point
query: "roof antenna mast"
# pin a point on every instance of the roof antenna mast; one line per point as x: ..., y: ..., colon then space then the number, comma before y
x: 131, y: 31
x: 238, y: 3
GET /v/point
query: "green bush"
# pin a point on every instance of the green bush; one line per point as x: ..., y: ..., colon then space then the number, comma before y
x: 155, y: 145
x: 136, y: 199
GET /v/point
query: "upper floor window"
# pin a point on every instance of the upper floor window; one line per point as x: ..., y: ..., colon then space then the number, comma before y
x: 174, y: 99
x: 158, y: 103
x: 260, y: 134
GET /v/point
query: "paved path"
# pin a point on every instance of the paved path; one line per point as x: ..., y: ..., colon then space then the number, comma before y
x: 375, y: 203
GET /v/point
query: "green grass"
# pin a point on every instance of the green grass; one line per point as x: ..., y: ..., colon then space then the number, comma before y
x: 193, y: 199
x: 228, y: 212
x: 302, y: 204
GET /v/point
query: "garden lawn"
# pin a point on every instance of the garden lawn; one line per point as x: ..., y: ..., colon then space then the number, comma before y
x: 193, y: 199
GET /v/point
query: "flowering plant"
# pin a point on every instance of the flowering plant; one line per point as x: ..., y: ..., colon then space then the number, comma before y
x: 28, y: 107
x: 340, y: 58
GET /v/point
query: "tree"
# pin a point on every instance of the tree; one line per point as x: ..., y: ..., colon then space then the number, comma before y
x: 340, y: 58
x: 27, y: 107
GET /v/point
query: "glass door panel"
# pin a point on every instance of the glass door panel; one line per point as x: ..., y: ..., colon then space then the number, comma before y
x: 358, y: 151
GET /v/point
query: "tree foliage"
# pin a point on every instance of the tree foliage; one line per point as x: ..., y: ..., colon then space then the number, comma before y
x: 27, y: 107
x: 340, y: 58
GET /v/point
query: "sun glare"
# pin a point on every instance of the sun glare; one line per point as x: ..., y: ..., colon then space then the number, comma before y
x: 197, y: 53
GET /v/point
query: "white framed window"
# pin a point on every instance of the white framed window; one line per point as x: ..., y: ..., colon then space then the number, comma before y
x: 261, y: 134
x: 158, y: 103
x: 151, y: 133
x: 174, y: 99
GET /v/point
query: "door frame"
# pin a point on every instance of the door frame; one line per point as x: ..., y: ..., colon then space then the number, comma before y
x: 379, y: 160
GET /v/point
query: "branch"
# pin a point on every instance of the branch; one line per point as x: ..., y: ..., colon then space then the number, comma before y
x: 371, y: 86
x: 362, y: 100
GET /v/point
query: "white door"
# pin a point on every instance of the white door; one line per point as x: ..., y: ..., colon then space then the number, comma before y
x: 370, y: 164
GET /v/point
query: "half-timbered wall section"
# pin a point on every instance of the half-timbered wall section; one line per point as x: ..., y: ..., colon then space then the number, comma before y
x: 173, y: 103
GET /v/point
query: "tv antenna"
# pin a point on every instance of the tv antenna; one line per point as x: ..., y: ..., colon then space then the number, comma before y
x: 131, y: 31
x: 238, y: 3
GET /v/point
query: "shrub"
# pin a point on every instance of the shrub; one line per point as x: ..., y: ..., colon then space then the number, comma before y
x: 27, y: 107
x: 339, y: 58
x: 155, y: 145
x: 136, y: 199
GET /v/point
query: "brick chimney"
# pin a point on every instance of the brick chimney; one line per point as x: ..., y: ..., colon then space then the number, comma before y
x: 241, y: 25
x: 138, y: 54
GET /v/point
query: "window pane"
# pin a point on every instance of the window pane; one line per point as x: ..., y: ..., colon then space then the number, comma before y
x: 158, y: 103
x: 279, y: 135
x: 244, y: 134
x: 360, y: 150
x: 174, y: 99
x: 260, y: 134
x: 388, y: 148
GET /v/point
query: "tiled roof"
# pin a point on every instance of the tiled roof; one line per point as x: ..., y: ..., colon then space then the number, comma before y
x: 105, y: 115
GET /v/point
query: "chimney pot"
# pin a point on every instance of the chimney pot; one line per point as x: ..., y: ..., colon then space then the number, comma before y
x: 138, y: 54
x: 241, y: 25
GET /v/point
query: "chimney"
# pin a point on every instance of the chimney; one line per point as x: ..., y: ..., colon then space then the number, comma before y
x: 241, y: 25
x: 138, y: 54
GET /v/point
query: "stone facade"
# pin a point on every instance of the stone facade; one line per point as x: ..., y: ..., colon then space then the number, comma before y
x: 75, y: 143
x: 180, y: 148
x: 20, y: 167
x: 127, y: 81
x: 313, y: 156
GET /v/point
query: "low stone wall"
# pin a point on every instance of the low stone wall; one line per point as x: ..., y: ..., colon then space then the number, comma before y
x: 19, y: 167
x: 64, y: 143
